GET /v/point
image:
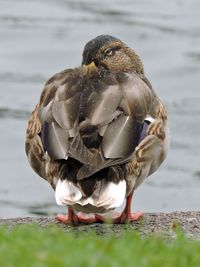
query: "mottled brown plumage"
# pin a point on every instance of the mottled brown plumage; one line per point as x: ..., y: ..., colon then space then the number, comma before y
x: 87, y: 134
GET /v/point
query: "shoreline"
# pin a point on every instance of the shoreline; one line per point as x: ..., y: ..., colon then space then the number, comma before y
x: 151, y: 223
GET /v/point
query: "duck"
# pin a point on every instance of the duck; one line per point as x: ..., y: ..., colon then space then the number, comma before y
x: 97, y: 132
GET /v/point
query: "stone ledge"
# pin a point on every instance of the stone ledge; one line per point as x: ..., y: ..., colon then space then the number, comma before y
x: 152, y: 223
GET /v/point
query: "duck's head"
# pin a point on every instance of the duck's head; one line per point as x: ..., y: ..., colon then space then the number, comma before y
x: 111, y: 53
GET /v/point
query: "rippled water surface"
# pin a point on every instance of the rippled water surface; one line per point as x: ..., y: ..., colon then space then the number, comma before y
x: 40, y: 37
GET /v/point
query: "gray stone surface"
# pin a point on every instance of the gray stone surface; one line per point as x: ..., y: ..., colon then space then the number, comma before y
x: 151, y: 223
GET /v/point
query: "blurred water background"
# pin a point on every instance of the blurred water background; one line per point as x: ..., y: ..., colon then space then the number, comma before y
x: 40, y: 37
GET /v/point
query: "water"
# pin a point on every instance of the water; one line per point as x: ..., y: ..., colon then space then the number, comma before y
x: 40, y: 37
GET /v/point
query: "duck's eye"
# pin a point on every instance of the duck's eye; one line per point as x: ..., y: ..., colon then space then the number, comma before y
x: 109, y: 52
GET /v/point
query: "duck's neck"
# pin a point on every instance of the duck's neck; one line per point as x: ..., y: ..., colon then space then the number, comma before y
x: 135, y: 61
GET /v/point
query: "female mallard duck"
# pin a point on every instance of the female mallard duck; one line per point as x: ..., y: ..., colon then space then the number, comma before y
x: 97, y: 132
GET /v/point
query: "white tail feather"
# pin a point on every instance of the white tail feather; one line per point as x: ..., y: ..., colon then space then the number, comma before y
x: 107, y: 194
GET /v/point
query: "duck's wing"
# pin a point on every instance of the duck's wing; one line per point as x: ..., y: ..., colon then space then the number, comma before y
x: 34, y: 146
x: 96, y: 119
x: 119, y: 111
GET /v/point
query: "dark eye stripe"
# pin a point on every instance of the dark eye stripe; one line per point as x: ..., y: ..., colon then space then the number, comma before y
x: 111, y: 51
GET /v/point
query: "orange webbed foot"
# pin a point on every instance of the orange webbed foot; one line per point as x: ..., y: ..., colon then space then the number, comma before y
x: 122, y: 218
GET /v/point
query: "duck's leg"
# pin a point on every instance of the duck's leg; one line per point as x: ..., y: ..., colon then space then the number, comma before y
x: 75, y: 219
x: 71, y: 218
x: 126, y: 215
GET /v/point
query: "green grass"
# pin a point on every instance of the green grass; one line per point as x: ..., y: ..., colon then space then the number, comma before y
x: 30, y: 246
